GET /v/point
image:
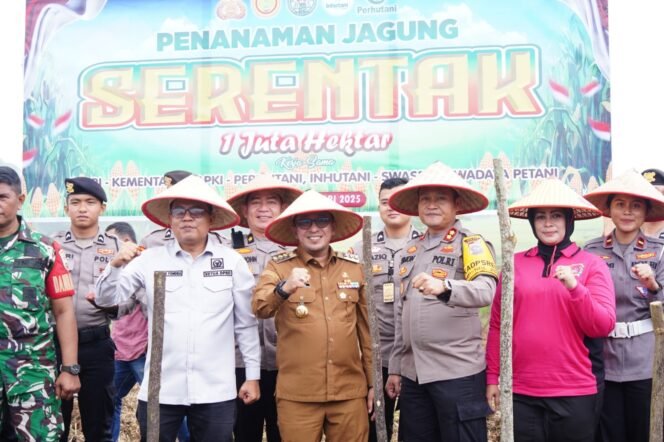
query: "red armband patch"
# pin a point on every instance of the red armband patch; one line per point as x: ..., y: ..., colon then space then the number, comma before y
x: 58, y: 281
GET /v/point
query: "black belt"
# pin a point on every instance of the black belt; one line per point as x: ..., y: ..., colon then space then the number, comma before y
x: 92, y: 334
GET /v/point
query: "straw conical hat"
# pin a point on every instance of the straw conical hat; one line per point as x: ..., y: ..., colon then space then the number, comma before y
x: 633, y: 184
x: 347, y: 222
x: 259, y: 183
x: 438, y: 174
x: 195, y: 189
x: 554, y: 193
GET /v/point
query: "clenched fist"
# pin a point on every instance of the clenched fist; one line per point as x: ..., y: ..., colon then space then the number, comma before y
x: 299, y: 277
x: 128, y: 251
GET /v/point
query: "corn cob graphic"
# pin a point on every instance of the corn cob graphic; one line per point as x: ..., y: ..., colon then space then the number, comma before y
x: 53, y: 200
x: 132, y: 171
x: 37, y: 202
x: 116, y: 171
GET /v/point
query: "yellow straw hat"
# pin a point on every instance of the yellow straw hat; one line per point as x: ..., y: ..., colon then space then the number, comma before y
x: 262, y: 182
x: 633, y: 184
x: 554, y: 193
x: 405, y: 200
x: 347, y: 223
x: 192, y: 188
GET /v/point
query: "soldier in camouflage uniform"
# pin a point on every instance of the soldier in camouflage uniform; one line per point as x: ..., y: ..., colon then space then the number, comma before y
x: 258, y: 204
x: 87, y: 252
x: 35, y: 290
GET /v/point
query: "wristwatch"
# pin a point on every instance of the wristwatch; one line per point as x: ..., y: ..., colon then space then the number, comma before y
x: 445, y: 296
x: 279, y: 290
x: 73, y: 369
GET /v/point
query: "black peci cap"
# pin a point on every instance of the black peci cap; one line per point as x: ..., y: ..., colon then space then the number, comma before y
x: 654, y: 176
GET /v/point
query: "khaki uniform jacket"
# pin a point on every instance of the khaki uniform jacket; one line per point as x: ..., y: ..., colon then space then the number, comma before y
x: 630, y: 359
x: 326, y: 355
x: 86, y: 265
x: 383, y: 270
x: 435, y: 340
x: 257, y: 253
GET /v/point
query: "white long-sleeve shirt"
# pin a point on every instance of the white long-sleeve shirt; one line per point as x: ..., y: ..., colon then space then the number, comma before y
x: 207, y: 310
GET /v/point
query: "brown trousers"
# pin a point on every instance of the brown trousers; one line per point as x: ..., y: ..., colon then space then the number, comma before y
x: 341, y: 421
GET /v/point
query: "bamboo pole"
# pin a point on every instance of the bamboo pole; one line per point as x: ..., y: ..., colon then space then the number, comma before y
x: 657, y: 399
x: 156, y: 352
x: 508, y: 241
x: 379, y: 394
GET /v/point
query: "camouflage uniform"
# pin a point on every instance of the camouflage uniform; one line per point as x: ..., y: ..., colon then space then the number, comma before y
x: 31, y: 273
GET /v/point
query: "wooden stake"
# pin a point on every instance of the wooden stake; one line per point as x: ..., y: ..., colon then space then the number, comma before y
x: 508, y: 241
x: 657, y: 399
x: 156, y: 352
x: 379, y: 396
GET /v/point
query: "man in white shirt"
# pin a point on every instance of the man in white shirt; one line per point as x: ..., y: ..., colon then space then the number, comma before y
x: 207, y: 311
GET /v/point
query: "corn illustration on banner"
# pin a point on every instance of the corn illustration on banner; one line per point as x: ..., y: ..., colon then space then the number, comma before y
x: 335, y: 95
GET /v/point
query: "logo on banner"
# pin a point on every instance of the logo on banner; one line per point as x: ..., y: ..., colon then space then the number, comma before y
x: 301, y: 7
x: 265, y: 8
x: 337, y: 7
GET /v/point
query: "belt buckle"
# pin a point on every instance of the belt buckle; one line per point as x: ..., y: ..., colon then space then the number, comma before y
x: 630, y: 330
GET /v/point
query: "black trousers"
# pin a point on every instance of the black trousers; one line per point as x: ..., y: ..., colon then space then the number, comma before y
x: 389, y: 414
x: 95, y: 399
x: 555, y: 419
x: 626, y: 411
x: 444, y: 411
x: 250, y: 418
x: 207, y: 422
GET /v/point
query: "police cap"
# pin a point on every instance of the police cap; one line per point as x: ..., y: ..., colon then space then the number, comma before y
x: 654, y: 176
x: 175, y: 176
x: 86, y: 186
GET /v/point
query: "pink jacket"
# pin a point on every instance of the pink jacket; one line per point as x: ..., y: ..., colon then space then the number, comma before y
x: 550, y: 356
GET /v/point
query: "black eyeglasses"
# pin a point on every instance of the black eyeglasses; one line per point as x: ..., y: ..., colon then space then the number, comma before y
x: 195, y: 212
x: 306, y: 223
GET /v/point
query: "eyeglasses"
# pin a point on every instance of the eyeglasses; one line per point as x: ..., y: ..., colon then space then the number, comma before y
x: 306, y: 223
x: 194, y: 212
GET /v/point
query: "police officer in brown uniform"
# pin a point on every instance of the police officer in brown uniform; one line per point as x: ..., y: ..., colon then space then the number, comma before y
x: 385, y: 244
x: 88, y: 250
x: 259, y: 203
x: 656, y: 178
x: 161, y: 237
x: 317, y: 297
x: 636, y: 264
x: 438, y: 365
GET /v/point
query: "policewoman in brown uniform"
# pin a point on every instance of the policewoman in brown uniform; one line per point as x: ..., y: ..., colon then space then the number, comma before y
x: 636, y: 265
x: 317, y: 297
x: 437, y: 364
x: 259, y: 203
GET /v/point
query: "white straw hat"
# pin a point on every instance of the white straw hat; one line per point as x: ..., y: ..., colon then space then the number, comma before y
x: 192, y: 188
x: 405, y: 200
x: 633, y: 184
x: 262, y: 182
x: 553, y: 193
x: 346, y: 222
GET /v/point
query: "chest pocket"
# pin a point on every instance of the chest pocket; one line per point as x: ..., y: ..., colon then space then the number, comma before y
x: 347, y: 299
x: 217, y: 294
x: 174, y: 293
x: 28, y: 283
x: 403, y: 272
x: 305, y: 296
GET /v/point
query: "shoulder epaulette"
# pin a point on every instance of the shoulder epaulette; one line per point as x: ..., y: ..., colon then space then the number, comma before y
x: 594, y: 241
x: 348, y: 257
x: 283, y: 256
x: 237, y: 238
x: 415, y: 234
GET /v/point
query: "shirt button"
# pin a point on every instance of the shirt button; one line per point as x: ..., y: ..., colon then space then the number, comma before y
x: 330, y: 361
x: 327, y: 299
x: 329, y: 318
x: 331, y: 339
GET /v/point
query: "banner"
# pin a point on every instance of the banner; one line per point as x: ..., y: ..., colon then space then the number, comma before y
x: 335, y: 95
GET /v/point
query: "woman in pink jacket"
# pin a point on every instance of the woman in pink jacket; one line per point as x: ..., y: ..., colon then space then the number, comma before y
x: 563, y: 298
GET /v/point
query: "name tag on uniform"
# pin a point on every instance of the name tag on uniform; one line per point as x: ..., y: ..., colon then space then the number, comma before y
x: 388, y: 292
x: 348, y: 285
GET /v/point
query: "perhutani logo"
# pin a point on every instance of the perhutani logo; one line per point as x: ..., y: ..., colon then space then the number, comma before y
x: 337, y: 7
x: 376, y: 7
x: 216, y: 263
x: 301, y: 7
